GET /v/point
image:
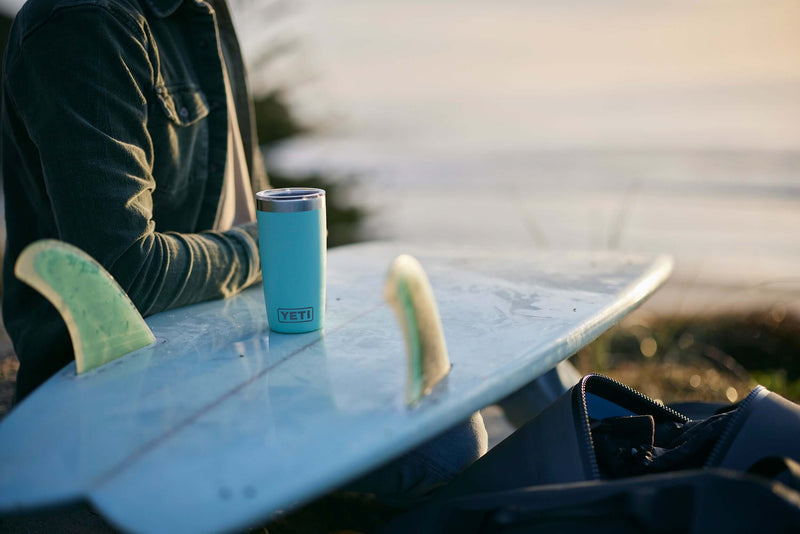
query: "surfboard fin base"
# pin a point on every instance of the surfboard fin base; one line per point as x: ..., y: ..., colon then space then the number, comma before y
x: 409, y: 293
x: 102, y: 321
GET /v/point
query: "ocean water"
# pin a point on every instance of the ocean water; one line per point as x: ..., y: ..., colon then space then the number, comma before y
x: 655, y: 127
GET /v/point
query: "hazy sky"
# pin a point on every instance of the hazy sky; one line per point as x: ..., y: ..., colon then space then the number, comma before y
x: 698, y: 73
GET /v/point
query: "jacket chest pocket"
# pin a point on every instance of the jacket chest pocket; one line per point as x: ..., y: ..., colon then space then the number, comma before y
x: 180, y: 140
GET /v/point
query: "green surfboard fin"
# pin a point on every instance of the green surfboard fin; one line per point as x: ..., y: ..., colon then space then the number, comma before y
x: 102, y: 321
x: 410, y: 294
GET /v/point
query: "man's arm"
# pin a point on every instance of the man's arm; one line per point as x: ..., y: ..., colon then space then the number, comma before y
x: 82, y: 86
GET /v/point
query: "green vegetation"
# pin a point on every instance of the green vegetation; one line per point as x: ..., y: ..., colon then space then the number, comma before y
x: 715, y: 358
x: 276, y: 124
x: 5, y: 28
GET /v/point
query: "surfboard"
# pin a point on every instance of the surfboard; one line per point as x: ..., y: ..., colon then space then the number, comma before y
x: 221, y: 423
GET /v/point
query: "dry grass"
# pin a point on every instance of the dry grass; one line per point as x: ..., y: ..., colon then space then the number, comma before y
x: 718, y: 359
x: 8, y: 373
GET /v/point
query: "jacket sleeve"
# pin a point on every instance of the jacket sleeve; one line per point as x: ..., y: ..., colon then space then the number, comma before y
x: 82, y: 85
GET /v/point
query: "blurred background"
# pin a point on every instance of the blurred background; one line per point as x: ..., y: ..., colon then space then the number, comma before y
x: 631, y: 125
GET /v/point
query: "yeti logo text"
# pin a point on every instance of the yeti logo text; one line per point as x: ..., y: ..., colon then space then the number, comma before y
x: 296, y: 315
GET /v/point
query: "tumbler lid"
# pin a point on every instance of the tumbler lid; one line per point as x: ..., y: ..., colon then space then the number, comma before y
x: 290, y: 199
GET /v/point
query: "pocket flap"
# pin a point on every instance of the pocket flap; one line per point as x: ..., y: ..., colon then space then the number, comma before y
x: 183, y: 105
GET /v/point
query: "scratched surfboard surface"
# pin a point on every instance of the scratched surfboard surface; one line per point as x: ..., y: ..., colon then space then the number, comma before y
x: 221, y: 422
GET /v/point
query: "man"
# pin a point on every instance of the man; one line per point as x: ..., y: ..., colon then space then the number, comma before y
x: 127, y: 131
x: 119, y: 136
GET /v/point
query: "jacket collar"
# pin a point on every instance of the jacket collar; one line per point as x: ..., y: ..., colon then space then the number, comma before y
x: 164, y: 8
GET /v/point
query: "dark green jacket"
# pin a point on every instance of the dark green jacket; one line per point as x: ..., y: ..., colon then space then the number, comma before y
x: 114, y: 139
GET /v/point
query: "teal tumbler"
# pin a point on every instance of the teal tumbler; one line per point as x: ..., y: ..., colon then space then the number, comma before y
x: 292, y: 236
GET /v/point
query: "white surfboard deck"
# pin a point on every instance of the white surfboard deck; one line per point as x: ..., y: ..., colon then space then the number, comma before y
x: 221, y: 423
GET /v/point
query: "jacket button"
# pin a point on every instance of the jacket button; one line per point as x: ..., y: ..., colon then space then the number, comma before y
x: 184, y: 113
